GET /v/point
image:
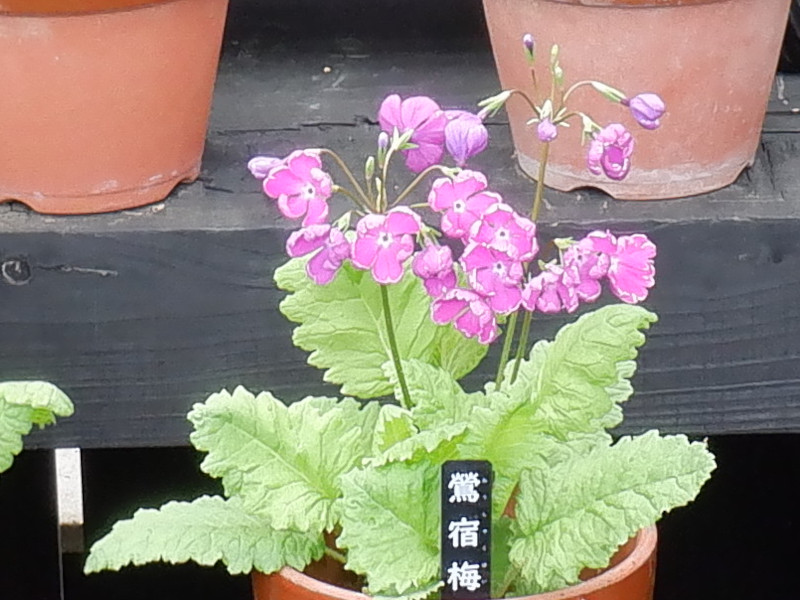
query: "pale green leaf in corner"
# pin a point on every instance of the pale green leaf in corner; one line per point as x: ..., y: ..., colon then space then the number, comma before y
x: 208, y: 530
x: 342, y: 324
x: 577, y: 379
x: 22, y: 405
x: 390, y: 526
x: 418, y: 594
x: 577, y: 514
x: 284, y: 462
x: 395, y: 424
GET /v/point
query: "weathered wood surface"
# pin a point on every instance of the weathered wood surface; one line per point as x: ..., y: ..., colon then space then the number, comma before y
x: 141, y: 313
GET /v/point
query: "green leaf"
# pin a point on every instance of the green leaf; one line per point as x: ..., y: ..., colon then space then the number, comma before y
x: 395, y: 424
x: 418, y: 594
x: 435, y: 445
x: 342, y: 324
x: 511, y: 435
x: 576, y: 379
x: 22, y: 405
x: 390, y: 526
x: 502, y: 572
x: 207, y: 530
x: 283, y: 462
x: 578, y: 513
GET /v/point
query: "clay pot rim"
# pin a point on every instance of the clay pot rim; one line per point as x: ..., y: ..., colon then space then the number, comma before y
x: 644, y: 547
x: 59, y: 14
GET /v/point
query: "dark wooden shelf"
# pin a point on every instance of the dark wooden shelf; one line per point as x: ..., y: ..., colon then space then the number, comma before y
x: 141, y: 313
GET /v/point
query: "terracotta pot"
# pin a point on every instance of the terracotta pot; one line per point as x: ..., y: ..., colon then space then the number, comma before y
x: 631, y: 577
x: 105, y: 103
x: 713, y: 62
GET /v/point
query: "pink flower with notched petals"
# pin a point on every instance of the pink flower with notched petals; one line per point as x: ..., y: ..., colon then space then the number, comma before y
x: 550, y: 292
x: 330, y: 248
x: 494, y: 275
x: 434, y: 265
x: 584, y: 267
x: 422, y: 115
x: 463, y: 201
x: 301, y: 187
x: 631, y: 271
x: 503, y: 229
x: 384, y: 241
x: 610, y: 152
x: 468, y: 312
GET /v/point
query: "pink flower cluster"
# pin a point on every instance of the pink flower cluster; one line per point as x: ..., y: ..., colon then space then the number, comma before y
x: 499, y: 244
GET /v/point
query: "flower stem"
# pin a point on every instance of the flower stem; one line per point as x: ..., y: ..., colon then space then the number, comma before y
x: 417, y: 180
x: 512, y: 325
x: 523, y: 343
x: 335, y: 555
x: 398, y: 367
x: 365, y: 201
x: 537, y: 199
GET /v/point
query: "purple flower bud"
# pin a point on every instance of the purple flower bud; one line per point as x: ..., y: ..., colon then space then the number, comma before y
x: 527, y: 41
x: 383, y: 140
x: 546, y: 131
x: 465, y: 135
x: 260, y: 166
x: 647, y: 109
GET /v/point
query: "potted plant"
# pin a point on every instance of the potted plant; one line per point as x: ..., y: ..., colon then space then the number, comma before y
x: 713, y: 61
x: 24, y: 404
x: 106, y: 102
x: 356, y: 485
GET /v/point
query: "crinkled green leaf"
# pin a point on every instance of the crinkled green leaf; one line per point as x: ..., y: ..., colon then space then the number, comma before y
x: 207, y: 530
x: 578, y: 513
x: 438, y: 398
x: 456, y: 354
x: 283, y: 461
x: 390, y: 526
x: 502, y: 574
x: 435, y: 445
x: 418, y: 594
x: 342, y: 324
x: 395, y: 424
x: 510, y: 434
x: 22, y: 405
x: 576, y: 379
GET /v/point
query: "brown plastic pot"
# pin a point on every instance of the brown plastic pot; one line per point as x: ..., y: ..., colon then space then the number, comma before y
x: 631, y: 576
x: 713, y: 62
x: 105, y: 103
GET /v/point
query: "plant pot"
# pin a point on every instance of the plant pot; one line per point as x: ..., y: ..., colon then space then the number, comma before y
x: 630, y: 577
x: 713, y: 62
x: 105, y: 103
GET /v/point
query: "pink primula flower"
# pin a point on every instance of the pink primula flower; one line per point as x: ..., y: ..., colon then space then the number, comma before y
x: 610, y: 152
x: 631, y: 271
x: 463, y: 201
x: 428, y: 121
x: 550, y: 291
x: 465, y: 135
x: 503, y: 229
x: 494, y: 275
x: 301, y: 187
x: 434, y: 265
x: 468, y: 312
x: 327, y: 242
x: 384, y: 241
x: 584, y: 267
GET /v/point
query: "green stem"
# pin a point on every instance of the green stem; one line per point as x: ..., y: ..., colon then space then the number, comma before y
x: 537, y: 199
x: 398, y: 367
x: 523, y: 344
x: 335, y: 555
x: 527, y: 99
x: 349, y: 174
x: 512, y: 325
x: 417, y: 180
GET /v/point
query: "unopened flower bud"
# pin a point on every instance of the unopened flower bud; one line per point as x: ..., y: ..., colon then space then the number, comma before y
x: 383, y: 140
x: 260, y: 166
x: 369, y: 168
x: 546, y: 131
x: 527, y: 42
x: 647, y: 109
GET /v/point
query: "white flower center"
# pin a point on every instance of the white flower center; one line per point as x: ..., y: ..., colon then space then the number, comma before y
x: 459, y: 206
x: 308, y: 191
x: 502, y: 234
x: 385, y: 239
x: 499, y: 268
